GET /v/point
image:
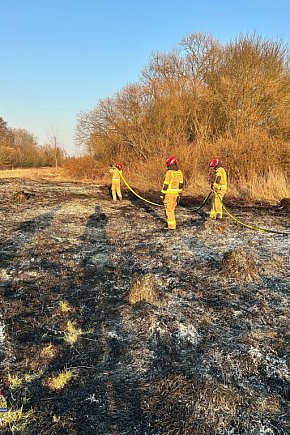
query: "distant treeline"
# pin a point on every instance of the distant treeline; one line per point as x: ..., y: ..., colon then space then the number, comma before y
x: 19, y: 148
x: 199, y: 101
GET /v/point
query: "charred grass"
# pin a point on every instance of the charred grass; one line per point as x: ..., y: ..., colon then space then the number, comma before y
x: 110, y: 325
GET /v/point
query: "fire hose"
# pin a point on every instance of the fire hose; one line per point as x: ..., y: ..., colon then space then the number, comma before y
x: 255, y: 228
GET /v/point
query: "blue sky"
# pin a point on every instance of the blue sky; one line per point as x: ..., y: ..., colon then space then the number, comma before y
x: 59, y: 57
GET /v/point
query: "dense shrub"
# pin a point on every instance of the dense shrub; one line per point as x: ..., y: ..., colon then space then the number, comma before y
x: 84, y: 168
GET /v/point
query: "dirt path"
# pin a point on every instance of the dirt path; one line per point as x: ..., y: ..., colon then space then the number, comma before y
x: 169, y: 340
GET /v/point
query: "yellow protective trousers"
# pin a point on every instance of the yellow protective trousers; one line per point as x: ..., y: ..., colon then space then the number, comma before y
x: 116, y: 189
x: 170, y: 202
x: 216, y: 206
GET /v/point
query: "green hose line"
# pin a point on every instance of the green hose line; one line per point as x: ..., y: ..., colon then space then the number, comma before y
x: 247, y: 225
x: 136, y: 194
x: 154, y: 203
x: 203, y: 202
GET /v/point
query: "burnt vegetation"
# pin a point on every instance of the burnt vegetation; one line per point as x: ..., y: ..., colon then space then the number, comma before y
x: 110, y: 325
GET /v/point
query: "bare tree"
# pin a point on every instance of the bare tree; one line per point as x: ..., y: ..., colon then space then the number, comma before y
x: 206, y: 97
x: 54, y: 144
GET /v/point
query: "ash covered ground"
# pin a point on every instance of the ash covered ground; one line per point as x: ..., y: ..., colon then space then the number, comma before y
x: 183, y: 332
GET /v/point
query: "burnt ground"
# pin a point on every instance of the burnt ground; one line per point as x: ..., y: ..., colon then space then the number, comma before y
x: 171, y: 337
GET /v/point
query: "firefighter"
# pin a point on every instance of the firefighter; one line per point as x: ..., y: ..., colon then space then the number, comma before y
x: 219, y: 186
x: 171, y: 190
x: 115, y: 170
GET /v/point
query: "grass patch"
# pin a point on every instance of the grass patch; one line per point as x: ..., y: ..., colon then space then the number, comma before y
x: 58, y: 382
x: 16, y: 420
x: 14, y: 381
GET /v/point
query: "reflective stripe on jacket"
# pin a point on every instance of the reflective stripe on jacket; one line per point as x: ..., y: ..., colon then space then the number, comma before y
x: 172, y: 182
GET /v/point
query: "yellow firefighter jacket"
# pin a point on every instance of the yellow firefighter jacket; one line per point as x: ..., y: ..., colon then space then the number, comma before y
x: 220, y: 182
x: 173, y: 182
x: 115, y: 174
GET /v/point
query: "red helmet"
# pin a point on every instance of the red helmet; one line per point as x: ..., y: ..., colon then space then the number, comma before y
x: 214, y: 163
x: 119, y: 166
x: 171, y: 160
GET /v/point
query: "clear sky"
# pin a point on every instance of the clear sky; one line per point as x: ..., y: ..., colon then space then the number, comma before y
x: 59, y: 57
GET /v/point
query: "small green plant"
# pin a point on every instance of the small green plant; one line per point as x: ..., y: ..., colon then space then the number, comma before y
x: 59, y: 381
x: 72, y: 333
x: 14, y: 381
x: 16, y: 420
x: 64, y: 306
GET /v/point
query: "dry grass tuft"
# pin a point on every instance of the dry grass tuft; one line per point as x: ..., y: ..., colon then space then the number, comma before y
x: 16, y: 420
x: 269, y: 404
x: 48, y: 352
x: 146, y: 289
x: 72, y: 333
x: 64, y: 307
x: 58, y: 382
x: 239, y: 265
x: 14, y: 381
